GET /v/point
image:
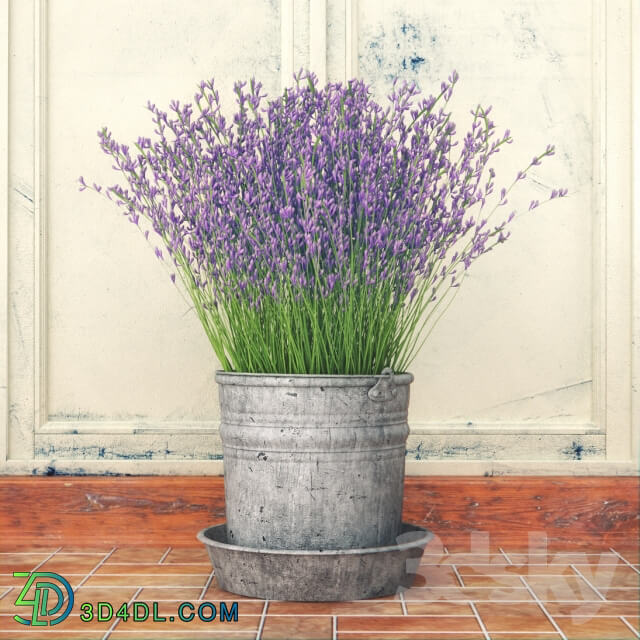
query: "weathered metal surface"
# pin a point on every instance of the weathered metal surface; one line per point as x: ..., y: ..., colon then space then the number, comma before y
x: 311, y: 462
x: 329, y: 575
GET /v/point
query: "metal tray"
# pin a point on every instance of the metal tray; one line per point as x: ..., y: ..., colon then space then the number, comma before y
x: 320, y: 575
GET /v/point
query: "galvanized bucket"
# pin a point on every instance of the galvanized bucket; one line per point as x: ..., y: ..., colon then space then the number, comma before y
x: 313, y: 461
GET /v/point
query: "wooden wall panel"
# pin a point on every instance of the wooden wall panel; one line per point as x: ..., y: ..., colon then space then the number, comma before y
x: 465, y: 513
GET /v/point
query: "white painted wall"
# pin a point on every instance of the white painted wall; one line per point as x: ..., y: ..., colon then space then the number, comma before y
x: 105, y: 369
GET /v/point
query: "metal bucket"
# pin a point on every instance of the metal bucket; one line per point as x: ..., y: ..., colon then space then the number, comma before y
x: 312, y: 461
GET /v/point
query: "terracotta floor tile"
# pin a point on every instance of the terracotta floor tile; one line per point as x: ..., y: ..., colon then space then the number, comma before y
x: 634, y: 621
x: 468, y: 593
x: 543, y: 570
x: 181, y: 593
x: 112, y: 568
x: 622, y: 593
x: 16, y: 550
x: 407, y: 623
x: 175, y: 634
x: 423, y: 635
x: 513, y: 617
x: 564, y: 558
x: 630, y: 554
x: 439, y: 608
x: 10, y: 562
x: 599, y: 608
x: 95, y: 549
x: 548, y: 588
x: 71, y: 564
x: 300, y: 628
x: 38, y: 635
x: 515, y: 570
x: 436, y: 576
x: 187, y: 554
x: 362, y: 607
x: 9, y: 580
x: 7, y: 600
x: 169, y: 606
x: 523, y: 635
x: 99, y: 594
x: 435, y: 546
x: 491, y: 581
x: 71, y: 623
x: 137, y: 554
x: 151, y: 629
x: 595, y: 629
x: 610, y: 576
x: 98, y: 580
x: 214, y: 592
x: 472, y: 558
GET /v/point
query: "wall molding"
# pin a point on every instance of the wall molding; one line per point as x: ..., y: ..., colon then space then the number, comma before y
x: 40, y: 410
x: 318, y: 39
x: 64, y: 466
x: 4, y: 234
x: 286, y: 42
x: 616, y: 218
x: 114, y: 427
x: 351, y: 39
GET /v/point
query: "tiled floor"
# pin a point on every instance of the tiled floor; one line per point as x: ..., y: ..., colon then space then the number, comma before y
x: 508, y: 595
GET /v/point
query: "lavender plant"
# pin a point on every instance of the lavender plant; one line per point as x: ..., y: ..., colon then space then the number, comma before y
x: 316, y: 232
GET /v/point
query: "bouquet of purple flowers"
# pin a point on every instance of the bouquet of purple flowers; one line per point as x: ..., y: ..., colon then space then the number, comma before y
x: 318, y: 232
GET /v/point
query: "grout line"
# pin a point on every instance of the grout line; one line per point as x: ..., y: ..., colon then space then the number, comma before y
x: 587, y: 581
x: 508, y: 559
x: 117, y: 620
x: 455, y: 570
x: 533, y: 594
x: 479, y: 619
x: 624, y: 560
x: 4, y: 593
x: 46, y: 560
x: 263, y: 617
x: 630, y: 626
x: 104, y: 559
x: 206, y: 585
x: 404, y: 605
x: 166, y: 553
x: 334, y: 627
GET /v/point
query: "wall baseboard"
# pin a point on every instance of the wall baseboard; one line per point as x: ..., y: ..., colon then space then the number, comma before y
x: 477, y: 513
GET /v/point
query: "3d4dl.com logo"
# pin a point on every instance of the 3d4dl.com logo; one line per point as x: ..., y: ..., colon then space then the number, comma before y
x: 40, y: 602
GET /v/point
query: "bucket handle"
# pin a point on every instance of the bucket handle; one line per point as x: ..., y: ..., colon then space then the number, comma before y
x: 385, y: 388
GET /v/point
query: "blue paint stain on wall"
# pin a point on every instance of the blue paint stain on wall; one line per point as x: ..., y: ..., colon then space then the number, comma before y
x: 578, y: 451
x: 416, y: 61
x: 94, y: 452
x: 401, y: 47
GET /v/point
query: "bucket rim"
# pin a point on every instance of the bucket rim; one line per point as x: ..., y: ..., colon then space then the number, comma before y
x: 421, y: 538
x: 306, y: 379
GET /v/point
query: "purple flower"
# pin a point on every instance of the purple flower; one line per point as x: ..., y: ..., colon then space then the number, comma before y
x: 321, y: 191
